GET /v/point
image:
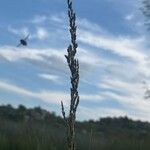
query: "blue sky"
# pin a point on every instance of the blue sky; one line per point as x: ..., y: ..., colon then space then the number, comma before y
x: 113, y: 53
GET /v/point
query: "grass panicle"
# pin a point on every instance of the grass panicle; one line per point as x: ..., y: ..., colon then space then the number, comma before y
x: 74, y: 69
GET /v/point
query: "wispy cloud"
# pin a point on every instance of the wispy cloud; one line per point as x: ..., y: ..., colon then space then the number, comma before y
x: 23, y: 31
x: 54, y: 18
x: 38, y: 19
x: 54, y: 78
x: 41, y: 33
x: 14, y: 53
x: 124, y: 87
x: 129, y: 17
x: 49, y: 58
x: 59, y: 18
x: 46, y: 95
x: 85, y: 113
x: 122, y: 46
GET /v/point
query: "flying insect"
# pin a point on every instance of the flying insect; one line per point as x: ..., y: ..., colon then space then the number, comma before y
x: 24, y: 42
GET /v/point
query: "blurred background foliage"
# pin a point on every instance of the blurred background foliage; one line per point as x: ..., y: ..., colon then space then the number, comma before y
x: 38, y: 129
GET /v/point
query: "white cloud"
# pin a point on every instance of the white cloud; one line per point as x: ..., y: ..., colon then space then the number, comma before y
x: 129, y: 17
x: 58, y: 18
x: 87, y: 25
x: 50, y: 77
x: 123, y: 86
x: 139, y: 24
x: 46, y: 95
x: 122, y: 46
x: 39, y: 19
x: 41, y: 33
x: 85, y: 113
x: 132, y: 50
x: 24, y: 31
x: 92, y: 97
x: 15, y: 54
x: 49, y: 58
x: 55, y: 18
x: 135, y: 104
x: 85, y: 56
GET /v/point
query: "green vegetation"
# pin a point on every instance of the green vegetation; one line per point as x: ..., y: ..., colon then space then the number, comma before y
x: 38, y: 129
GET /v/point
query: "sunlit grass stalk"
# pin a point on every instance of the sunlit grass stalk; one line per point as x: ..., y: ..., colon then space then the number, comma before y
x: 74, y: 79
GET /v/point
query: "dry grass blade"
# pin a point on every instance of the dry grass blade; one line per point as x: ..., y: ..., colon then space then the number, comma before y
x: 74, y: 69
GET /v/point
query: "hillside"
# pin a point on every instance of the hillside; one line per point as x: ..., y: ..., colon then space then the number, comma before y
x: 38, y: 129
